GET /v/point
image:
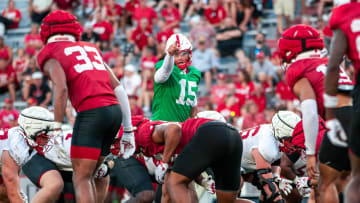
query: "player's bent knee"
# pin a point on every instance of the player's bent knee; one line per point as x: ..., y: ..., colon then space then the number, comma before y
x: 145, y: 196
x: 54, y: 187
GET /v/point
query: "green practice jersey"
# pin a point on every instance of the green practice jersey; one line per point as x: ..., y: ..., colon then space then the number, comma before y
x: 174, y: 98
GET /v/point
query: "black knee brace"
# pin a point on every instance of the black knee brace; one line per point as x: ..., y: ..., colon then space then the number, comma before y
x: 260, y: 182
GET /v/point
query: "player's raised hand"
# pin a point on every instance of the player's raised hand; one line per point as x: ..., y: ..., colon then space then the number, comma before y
x: 173, y: 48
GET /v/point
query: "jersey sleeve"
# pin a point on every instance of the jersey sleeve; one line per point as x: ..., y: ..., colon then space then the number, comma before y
x: 18, y: 148
x: 336, y: 18
x: 268, y: 147
x: 42, y: 57
x: 293, y: 74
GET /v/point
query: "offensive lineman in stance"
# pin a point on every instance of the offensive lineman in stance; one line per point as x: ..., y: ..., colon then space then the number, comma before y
x: 78, y: 72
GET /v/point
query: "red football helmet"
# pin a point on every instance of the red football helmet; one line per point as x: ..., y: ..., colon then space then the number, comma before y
x: 298, y: 39
x: 59, y: 22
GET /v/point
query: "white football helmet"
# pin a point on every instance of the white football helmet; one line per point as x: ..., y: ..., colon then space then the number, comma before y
x: 283, y: 123
x: 185, y: 46
x: 211, y: 115
x: 341, y: 2
x: 35, y: 121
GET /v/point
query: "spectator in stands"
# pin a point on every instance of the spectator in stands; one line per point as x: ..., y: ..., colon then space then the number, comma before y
x: 203, y: 30
x: 253, y: 117
x: 12, y: 14
x: 147, y: 90
x: 68, y: 5
x: 258, y: 97
x: 241, y: 57
x: 196, y: 7
x: 259, y: 47
x: 134, y: 108
x: 283, y: 93
x: 206, y: 62
x: 118, y: 69
x: 144, y: 11
x: 164, y: 33
x: 264, y: 65
x: 115, y: 14
x: 148, y: 59
x: 32, y: 68
x: 219, y: 90
x: 241, y: 13
x: 8, y: 82
x: 38, y: 89
x: 110, y: 57
x: 284, y: 8
x: 230, y: 108
x: 243, y: 86
x: 31, y: 102
x: 140, y: 35
x: 33, y: 41
x: 90, y: 36
x: 130, y: 7
x: 89, y: 6
x: 20, y: 63
x: 6, y: 52
x: 215, y: 13
x: 131, y: 80
x: 104, y: 29
x: 229, y: 38
x: 8, y: 115
x: 38, y: 9
x: 171, y: 15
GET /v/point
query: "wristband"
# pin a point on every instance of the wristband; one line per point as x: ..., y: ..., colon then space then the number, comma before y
x: 330, y: 101
x: 128, y: 129
x: 57, y: 125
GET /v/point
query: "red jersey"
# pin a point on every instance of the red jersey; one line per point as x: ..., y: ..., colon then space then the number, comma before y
x: 243, y: 92
x: 130, y: 6
x: 188, y: 130
x: 298, y: 137
x: 66, y: 4
x: 6, y: 116
x: 171, y: 15
x: 104, y: 29
x: 228, y: 112
x: 283, y: 89
x: 4, y: 54
x: 6, y: 75
x: 163, y: 36
x: 260, y: 101
x: 218, y: 93
x: 347, y: 18
x: 11, y: 15
x: 87, y: 79
x: 115, y: 11
x: 148, y: 63
x: 215, y: 16
x: 314, y: 69
x: 20, y: 65
x: 140, y: 37
x: 146, y: 12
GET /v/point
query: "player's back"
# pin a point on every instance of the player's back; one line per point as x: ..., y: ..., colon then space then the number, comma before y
x: 260, y: 137
x: 87, y: 79
x: 347, y: 18
x: 313, y: 69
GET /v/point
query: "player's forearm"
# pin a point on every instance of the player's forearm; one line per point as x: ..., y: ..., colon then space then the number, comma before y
x: 61, y: 96
x: 172, y: 139
x: 310, y: 124
x: 124, y: 106
x: 164, y: 72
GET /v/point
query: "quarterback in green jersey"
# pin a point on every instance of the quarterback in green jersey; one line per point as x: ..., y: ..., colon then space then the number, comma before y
x: 176, y: 82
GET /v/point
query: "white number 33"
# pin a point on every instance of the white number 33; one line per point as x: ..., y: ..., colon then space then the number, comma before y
x: 87, y: 63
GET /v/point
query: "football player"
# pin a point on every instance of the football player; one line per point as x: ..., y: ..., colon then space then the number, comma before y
x: 43, y: 155
x: 345, y: 23
x: 300, y: 48
x: 78, y: 72
x: 176, y: 82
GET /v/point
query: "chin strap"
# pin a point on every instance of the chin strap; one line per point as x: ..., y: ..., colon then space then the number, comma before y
x: 259, y: 181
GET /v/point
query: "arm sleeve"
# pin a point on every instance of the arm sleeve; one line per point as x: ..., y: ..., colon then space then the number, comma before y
x: 164, y: 72
x: 124, y: 105
x: 310, y: 124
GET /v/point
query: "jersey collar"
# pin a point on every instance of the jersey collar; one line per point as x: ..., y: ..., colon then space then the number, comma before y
x: 61, y: 38
x: 313, y: 54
